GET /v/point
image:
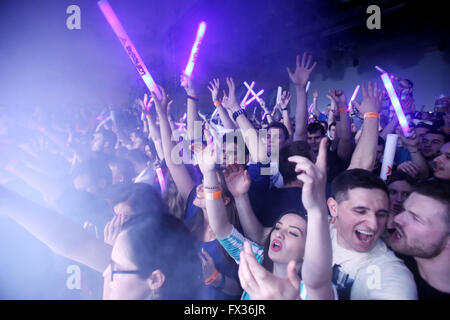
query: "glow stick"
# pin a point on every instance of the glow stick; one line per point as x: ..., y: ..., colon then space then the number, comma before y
x: 307, y: 86
x: 279, y: 95
x: 395, y: 103
x: 128, y: 46
x: 251, y: 91
x: 310, y: 109
x: 353, y: 97
x: 183, y: 119
x: 195, y: 49
x: 214, y: 113
x: 255, y: 97
x: 388, y: 156
x: 102, y: 123
x: 161, y: 180
x: 380, y: 70
x: 145, y: 99
x: 247, y: 94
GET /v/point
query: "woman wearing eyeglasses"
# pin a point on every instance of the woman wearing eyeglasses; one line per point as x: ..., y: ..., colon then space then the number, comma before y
x: 151, y: 256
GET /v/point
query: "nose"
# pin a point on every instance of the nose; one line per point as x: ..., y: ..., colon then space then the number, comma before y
x: 371, y: 221
x: 399, y: 219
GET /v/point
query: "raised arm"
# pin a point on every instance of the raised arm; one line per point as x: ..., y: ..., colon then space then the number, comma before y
x: 365, y: 152
x: 223, y: 114
x: 299, y: 78
x: 238, y: 183
x: 60, y: 234
x: 179, y: 172
x: 343, y: 131
x: 192, y: 112
x: 285, y: 99
x: 317, y: 261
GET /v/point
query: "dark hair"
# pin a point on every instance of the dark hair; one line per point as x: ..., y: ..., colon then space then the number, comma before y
x: 325, y: 123
x: 108, y: 136
x: 399, y: 175
x: 287, y: 168
x: 96, y: 169
x: 438, y: 132
x: 438, y: 190
x: 381, y: 141
x: 355, y: 178
x: 332, y: 124
x: 143, y: 199
x: 125, y: 167
x: 314, y: 127
x: 280, y: 126
x: 162, y: 242
x: 137, y: 156
x: 267, y: 262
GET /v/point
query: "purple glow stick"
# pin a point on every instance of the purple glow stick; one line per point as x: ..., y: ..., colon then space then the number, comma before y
x: 310, y: 109
x: 161, y: 180
x: 255, y: 97
x: 195, y: 49
x: 380, y: 70
x: 247, y: 94
x: 353, y: 97
x: 128, y: 46
x: 395, y: 103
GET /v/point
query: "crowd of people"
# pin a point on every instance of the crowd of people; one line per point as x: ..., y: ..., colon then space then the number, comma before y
x: 258, y: 202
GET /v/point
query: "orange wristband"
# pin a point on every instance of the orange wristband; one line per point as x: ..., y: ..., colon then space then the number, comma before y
x: 212, y: 277
x: 217, y: 103
x: 342, y: 110
x: 213, y: 195
x: 371, y: 115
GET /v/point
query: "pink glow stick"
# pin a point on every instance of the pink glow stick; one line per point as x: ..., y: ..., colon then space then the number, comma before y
x: 247, y: 94
x: 195, y: 49
x: 395, y: 103
x: 161, y: 180
x: 254, y: 97
x: 128, y: 46
x: 353, y: 97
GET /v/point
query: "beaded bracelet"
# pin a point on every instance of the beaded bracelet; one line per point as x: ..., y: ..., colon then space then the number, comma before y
x: 212, y: 277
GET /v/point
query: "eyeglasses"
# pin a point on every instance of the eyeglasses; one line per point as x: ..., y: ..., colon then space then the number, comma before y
x: 113, y: 271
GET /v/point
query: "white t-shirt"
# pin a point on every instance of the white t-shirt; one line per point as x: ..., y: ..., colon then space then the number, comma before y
x: 377, y: 274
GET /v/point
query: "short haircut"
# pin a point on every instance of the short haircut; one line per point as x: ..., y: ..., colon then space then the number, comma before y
x: 95, y: 169
x: 314, y: 127
x: 108, y: 136
x: 125, y: 167
x: 281, y: 126
x: 438, y: 132
x: 399, y: 175
x: 333, y: 124
x: 325, y: 123
x: 439, y: 190
x: 355, y: 178
x: 287, y: 168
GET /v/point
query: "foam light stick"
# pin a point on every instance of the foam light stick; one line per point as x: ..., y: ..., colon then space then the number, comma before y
x: 279, y: 95
x: 247, y: 94
x: 195, y: 49
x: 388, y: 156
x: 307, y: 86
x: 353, y: 97
x: 251, y: 91
x: 128, y: 46
x: 380, y: 70
x: 255, y: 97
x: 162, y: 182
x: 395, y: 103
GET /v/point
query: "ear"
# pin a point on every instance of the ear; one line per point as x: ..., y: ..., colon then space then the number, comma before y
x: 156, y: 280
x: 332, y: 206
x: 226, y: 201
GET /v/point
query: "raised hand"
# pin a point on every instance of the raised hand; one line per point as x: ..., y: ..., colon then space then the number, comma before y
x: 208, y: 265
x: 314, y: 178
x: 338, y: 99
x: 410, y: 168
x: 237, y: 179
x: 206, y: 156
x: 285, y: 98
x: 214, y: 89
x: 302, y: 71
x: 261, y: 284
x: 372, y: 98
x: 231, y: 103
x: 113, y: 228
x: 186, y: 83
x: 161, y: 105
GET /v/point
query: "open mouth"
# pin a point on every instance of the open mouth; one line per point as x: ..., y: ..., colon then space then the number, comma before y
x: 365, y: 237
x: 276, y: 245
x: 396, y: 235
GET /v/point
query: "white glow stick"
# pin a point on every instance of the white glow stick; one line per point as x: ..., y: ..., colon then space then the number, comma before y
x: 195, y: 49
x: 102, y: 123
x: 380, y: 70
x: 353, y: 97
x: 128, y: 46
x: 253, y: 98
x: 395, y: 103
x: 251, y: 91
x: 307, y: 86
x: 247, y: 94
x: 388, y: 156
x: 279, y: 95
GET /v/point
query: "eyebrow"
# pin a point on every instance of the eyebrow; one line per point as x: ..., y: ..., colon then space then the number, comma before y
x: 290, y: 226
x: 365, y: 208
